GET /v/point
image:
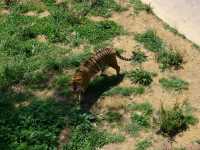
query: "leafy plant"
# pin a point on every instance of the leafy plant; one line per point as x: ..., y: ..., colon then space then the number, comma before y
x: 169, y: 59
x: 175, y: 120
x: 174, y: 83
x: 141, y: 76
x: 125, y: 91
x: 139, y: 57
x: 150, y: 40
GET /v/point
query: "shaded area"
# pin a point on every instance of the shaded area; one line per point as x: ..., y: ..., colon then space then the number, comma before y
x: 97, y: 88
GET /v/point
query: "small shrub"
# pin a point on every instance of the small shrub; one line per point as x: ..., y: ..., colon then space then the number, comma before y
x: 150, y: 40
x: 141, y: 76
x: 169, y: 59
x: 140, y: 6
x: 175, y: 120
x: 139, y: 57
x: 125, y: 91
x: 112, y: 116
x: 143, y: 144
x: 174, y: 83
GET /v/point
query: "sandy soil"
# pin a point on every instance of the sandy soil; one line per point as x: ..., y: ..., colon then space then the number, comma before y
x: 181, y: 14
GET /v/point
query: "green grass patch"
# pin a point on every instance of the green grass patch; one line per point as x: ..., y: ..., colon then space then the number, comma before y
x: 143, y: 144
x: 98, y: 32
x: 112, y: 116
x: 93, y: 139
x: 105, y: 8
x: 139, y: 57
x: 62, y: 85
x: 140, y: 118
x: 141, y: 76
x: 169, y: 59
x: 174, y: 83
x: 175, y: 120
x: 27, y: 6
x: 139, y: 6
x: 145, y: 108
x: 150, y: 40
x: 125, y: 91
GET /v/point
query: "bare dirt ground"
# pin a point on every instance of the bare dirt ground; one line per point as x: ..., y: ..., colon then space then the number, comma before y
x: 155, y: 94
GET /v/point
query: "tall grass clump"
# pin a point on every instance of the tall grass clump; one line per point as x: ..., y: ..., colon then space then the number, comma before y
x: 150, y: 40
x: 139, y: 57
x: 175, y: 120
x: 169, y: 59
x: 141, y: 76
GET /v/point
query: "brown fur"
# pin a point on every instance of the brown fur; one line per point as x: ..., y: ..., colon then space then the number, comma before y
x: 87, y: 70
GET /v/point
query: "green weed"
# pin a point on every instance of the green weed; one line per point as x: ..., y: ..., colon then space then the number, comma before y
x: 145, y: 108
x: 175, y: 120
x: 139, y: 57
x: 112, y: 116
x: 169, y: 59
x: 141, y: 76
x: 150, y: 40
x: 174, y: 83
x: 140, y: 118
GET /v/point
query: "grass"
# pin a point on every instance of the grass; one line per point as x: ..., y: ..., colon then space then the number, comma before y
x: 145, y: 108
x: 98, y: 32
x: 139, y: 6
x: 139, y: 57
x: 38, y: 124
x: 105, y: 8
x: 141, y: 76
x: 169, y: 59
x: 143, y: 144
x: 175, y: 120
x: 150, y: 40
x: 125, y: 91
x: 174, y: 83
x: 140, y: 118
x: 112, y: 116
x: 62, y: 85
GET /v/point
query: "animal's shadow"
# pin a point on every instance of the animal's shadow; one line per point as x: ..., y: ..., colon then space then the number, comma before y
x: 97, y: 88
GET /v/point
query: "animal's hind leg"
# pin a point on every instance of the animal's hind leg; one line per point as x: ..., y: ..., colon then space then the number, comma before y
x: 114, y: 65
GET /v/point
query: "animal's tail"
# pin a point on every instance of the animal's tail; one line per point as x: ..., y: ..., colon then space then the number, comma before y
x: 122, y: 57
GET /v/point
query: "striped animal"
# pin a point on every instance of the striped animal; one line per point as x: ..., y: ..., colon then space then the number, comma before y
x: 96, y: 63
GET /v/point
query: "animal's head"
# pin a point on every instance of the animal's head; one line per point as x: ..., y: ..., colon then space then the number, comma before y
x: 76, y: 87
